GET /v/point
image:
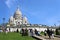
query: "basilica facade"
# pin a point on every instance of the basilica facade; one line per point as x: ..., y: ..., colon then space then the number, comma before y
x: 18, y: 19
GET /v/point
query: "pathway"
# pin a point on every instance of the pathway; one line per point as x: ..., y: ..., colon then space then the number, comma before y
x: 47, y: 38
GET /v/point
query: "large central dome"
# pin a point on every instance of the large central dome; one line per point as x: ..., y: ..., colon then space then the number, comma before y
x: 17, y: 14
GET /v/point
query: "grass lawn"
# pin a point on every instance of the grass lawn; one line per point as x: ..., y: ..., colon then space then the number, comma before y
x: 14, y: 36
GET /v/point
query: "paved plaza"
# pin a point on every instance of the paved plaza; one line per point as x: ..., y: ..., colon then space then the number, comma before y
x: 47, y: 38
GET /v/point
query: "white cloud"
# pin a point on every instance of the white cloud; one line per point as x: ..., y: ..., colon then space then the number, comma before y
x: 10, y: 3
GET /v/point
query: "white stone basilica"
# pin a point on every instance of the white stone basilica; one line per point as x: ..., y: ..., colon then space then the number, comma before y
x: 18, y: 19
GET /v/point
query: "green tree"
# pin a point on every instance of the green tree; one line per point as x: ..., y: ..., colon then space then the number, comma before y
x: 57, y: 32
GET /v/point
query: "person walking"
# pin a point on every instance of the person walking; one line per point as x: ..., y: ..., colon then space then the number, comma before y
x: 22, y: 32
x: 17, y: 30
x: 45, y: 32
x: 52, y: 34
x: 49, y: 33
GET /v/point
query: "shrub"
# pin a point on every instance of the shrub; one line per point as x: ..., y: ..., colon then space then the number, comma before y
x: 57, y: 32
x: 42, y: 32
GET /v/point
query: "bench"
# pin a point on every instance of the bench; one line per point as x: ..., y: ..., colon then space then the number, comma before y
x: 38, y: 37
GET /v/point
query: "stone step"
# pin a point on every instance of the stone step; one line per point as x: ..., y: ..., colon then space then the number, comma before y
x: 38, y: 37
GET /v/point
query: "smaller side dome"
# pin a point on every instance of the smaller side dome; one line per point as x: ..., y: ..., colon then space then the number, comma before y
x: 25, y: 18
x: 25, y: 21
x: 11, y: 18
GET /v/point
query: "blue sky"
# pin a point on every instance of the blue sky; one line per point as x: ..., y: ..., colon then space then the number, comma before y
x: 37, y: 11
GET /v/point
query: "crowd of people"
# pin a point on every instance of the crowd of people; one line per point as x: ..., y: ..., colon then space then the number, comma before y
x: 49, y: 32
x: 31, y: 32
x: 24, y: 32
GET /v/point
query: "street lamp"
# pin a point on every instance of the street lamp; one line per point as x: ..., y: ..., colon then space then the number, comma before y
x: 3, y: 21
x: 3, y: 24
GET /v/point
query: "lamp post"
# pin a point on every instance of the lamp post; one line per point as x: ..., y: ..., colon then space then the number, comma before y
x: 3, y: 24
x: 3, y: 21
